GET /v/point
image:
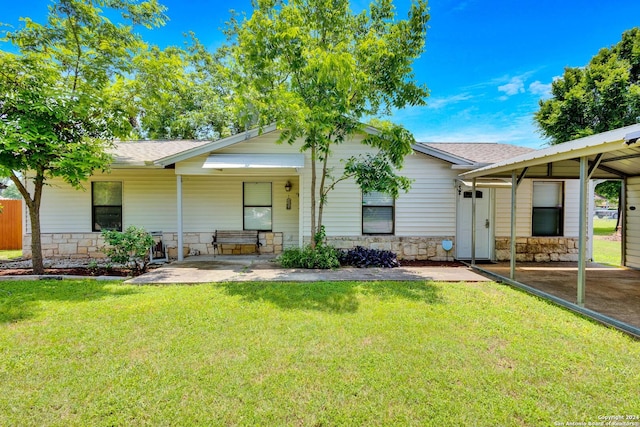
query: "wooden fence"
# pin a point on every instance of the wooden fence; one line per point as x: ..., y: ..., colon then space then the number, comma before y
x: 11, y: 224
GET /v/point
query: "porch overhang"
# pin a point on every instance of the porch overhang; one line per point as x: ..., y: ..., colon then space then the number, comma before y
x: 254, y: 161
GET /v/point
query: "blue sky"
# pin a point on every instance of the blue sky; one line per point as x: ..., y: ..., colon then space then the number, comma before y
x: 486, y: 64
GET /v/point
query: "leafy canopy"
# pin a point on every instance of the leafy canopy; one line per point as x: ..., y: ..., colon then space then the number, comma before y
x: 603, y: 95
x: 319, y: 70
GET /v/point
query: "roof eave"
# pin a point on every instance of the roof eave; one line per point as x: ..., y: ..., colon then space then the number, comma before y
x: 588, y: 146
x: 439, y: 154
x: 214, y: 146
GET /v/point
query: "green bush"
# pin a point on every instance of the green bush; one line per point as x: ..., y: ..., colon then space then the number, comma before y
x: 323, y: 256
x: 130, y: 248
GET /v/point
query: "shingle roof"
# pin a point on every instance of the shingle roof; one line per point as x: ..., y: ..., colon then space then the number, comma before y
x: 144, y: 153
x: 479, y: 152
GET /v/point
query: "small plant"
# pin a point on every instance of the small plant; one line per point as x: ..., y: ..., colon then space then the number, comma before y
x: 130, y: 248
x: 322, y: 256
x: 363, y: 257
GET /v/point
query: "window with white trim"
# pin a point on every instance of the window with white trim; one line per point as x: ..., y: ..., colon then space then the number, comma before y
x: 377, y: 213
x: 106, y: 205
x: 548, y: 210
x: 257, y: 206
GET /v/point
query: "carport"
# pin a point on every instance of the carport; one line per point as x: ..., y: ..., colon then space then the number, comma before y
x: 608, y: 155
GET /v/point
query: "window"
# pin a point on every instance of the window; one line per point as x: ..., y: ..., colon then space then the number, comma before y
x: 257, y: 206
x: 547, y: 216
x: 377, y: 213
x: 106, y: 201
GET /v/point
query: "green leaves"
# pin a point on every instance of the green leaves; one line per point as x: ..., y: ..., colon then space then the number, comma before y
x: 602, y: 96
x: 318, y: 70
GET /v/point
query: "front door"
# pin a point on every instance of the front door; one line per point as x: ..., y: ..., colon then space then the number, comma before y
x: 483, y: 224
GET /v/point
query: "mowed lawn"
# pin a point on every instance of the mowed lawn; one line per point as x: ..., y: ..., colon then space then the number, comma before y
x: 606, y: 250
x: 342, y: 353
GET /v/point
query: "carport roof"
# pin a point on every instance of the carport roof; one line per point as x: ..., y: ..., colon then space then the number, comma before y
x: 612, y: 155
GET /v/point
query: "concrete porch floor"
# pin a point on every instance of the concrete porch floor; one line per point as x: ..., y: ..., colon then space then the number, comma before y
x: 612, y: 291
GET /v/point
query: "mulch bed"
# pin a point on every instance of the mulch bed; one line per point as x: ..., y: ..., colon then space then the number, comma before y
x: 75, y: 271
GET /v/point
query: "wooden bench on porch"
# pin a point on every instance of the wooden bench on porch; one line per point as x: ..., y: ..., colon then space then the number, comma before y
x: 235, y: 237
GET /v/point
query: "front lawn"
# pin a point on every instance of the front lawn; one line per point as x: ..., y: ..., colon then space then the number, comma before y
x: 343, y: 353
x: 10, y: 254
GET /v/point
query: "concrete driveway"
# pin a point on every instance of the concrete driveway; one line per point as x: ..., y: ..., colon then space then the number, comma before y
x: 239, y: 268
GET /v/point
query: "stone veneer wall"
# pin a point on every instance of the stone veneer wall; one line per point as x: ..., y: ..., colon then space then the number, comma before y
x: 538, y: 249
x: 87, y: 245
x: 409, y: 248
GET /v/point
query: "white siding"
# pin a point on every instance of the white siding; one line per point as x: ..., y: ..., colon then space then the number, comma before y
x: 632, y: 242
x: 571, y: 208
x: 149, y: 200
x: 429, y: 208
x: 523, y: 210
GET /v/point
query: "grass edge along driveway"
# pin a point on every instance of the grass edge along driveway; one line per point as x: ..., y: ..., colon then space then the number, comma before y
x: 326, y: 353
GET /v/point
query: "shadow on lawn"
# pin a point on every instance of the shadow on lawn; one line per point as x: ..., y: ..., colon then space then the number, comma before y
x: 19, y: 299
x: 333, y: 297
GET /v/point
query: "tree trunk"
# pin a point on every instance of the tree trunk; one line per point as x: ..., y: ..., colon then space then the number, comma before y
x: 33, y: 205
x: 313, y: 196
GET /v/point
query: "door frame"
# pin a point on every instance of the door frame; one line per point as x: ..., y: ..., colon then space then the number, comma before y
x: 460, y: 189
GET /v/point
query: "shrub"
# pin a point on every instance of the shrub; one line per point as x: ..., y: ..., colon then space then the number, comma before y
x: 323, y: 256
x: 362, y: 257
x: 130, y: 248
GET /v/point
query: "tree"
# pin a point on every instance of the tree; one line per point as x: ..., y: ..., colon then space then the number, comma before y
x: 177, y: 93
x: 54, y: 120
x: 602, y: 96
x: 318, y: 70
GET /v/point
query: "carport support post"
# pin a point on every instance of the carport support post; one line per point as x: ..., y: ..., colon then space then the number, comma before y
x: 179, y: 209
x: 512, y: 257
x: 582, y: 230
x: 473, y: 222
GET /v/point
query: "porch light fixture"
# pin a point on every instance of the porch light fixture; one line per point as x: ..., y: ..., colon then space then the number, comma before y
x: 287, y: 186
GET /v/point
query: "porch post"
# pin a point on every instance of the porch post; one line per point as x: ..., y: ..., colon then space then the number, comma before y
x: 473, y: 222
x: 179, y: 212
x: 514, y: 192
x: 622, y: 208
x: 300, y: 210
x: 582, y: 236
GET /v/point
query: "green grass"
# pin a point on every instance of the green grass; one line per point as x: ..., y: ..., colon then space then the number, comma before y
x: 606, y: 251
x: 604, y: 227
x: 343, y: 353
x: 6, y: 254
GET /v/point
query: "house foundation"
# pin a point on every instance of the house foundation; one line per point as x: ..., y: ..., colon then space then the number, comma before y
x: 89, y: 245
x: 538, y: 249
x: 405, y: 247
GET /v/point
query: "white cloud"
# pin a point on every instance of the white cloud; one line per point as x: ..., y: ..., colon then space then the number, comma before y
x: 436, y: 103
x: 514, y: 87
x: 539, y: 88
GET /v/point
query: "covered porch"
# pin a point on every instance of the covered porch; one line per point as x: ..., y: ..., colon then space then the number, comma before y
x: 613, y: 155
x: 611, y: 293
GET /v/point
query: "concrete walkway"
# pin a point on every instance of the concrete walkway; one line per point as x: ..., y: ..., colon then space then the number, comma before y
x: 238, y: 268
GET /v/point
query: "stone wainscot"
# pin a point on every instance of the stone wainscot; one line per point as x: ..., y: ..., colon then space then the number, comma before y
x: 88, y: 245
x: 538, y: 249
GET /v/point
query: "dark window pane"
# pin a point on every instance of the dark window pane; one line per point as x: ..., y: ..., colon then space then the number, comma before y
x: 547, y: 222
x: 107, y: 218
